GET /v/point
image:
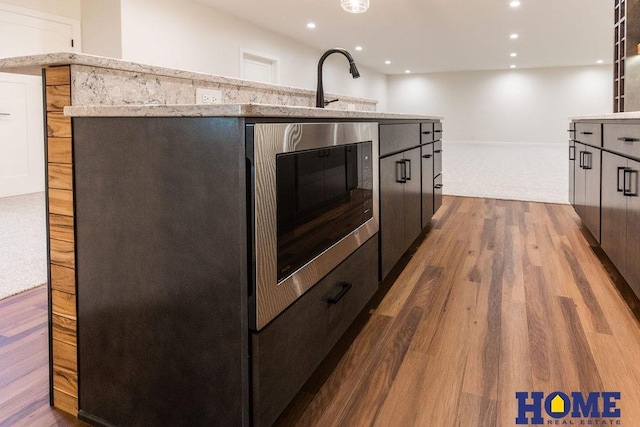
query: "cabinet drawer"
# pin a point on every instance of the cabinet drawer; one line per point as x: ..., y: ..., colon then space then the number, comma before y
x: 437, y: 157
x: 589, y: 133
x: 437, y: 131
x: 289, y: 349
x: 437, y: 192
x: 624, y: 139
x: 398, y: 137
x: 426, y: 133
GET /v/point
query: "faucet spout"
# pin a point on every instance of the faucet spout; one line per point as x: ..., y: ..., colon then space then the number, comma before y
x: 320, y: 102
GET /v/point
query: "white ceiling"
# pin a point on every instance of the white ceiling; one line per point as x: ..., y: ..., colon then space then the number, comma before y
x: 443, y: 35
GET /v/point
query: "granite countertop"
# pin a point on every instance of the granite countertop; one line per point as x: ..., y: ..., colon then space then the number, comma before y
x: 233, y: 110
x: 33, y: 64
x: 609, y: 116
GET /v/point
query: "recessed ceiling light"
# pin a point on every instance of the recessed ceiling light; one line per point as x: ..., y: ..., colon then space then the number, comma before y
x: 513, y: 36
x: 512, y: 66
x: 514, y: 3
x: 407, y: 71
x: 513, y: 54
x: 599, y: 61
x: 311, y: 25
x: 387, y: 62
x: 358, y: 47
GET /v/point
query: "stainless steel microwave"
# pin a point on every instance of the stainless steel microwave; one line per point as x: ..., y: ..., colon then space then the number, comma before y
x: 313, y: 201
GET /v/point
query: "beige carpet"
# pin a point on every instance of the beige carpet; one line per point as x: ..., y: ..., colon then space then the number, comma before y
x: 23, y: 249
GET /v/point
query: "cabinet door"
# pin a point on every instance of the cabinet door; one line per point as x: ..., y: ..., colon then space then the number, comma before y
x: 427, y: 183
x: 592, y: 163
x: 391, y: 212
x: 437, y: 158
x: 572, y: 170
x: 614, y: 206
x: 633, y: 227
x: 437, y: 193
x: 412, y: 197
x: 580, y: 181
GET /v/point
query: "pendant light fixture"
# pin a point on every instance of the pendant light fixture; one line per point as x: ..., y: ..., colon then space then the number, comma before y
x: 355, y: 6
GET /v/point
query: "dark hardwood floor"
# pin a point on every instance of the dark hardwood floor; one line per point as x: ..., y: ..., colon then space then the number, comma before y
x: 24, y: 363
x: 501, y: 296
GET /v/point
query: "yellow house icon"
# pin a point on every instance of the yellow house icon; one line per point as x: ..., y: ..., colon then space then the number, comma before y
x: 557, y: 404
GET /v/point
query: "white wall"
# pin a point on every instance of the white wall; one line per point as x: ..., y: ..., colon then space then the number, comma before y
x: 186, y: 35
x: 67, y: 8
x: 101, y: 30
x: 505, y: 106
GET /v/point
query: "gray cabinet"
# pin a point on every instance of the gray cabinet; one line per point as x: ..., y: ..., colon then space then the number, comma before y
x: 621, y: 215
x: 587, y: 187
x: 572, y: 163
x: 400, y: 205
x: 437, y: 174
x: 427, y: 183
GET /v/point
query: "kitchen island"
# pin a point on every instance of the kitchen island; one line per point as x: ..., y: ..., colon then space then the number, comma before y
x: 164, y: 206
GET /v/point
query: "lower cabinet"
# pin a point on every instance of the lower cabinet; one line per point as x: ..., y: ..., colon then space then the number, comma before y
x: 400, y: 205
x: 621, y: 216
x: 572, y: 171
x: 287, y: 351
x: 427, y: 183
x: 587, y: 187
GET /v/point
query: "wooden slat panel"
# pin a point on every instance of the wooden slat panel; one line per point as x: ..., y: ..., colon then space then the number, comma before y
x: 61, y: 202
x: 65, y: 355
x: 61, y: 227
x: 62, y: 253
x: 59, y: 150
x: 60, y: 176
x: 65, y: 403
x: 58, y: 75
x: 63, y: 279
x: 63, y: 304
x: 64, y: 329
x: 65, y: 380
x: 58, y: 97
x: 58, y: 125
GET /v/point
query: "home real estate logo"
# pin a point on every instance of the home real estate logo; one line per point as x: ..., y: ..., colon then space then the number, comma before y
x: 598, y: 408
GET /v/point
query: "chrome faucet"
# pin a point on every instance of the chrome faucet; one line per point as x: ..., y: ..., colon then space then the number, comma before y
x: 320, y: 102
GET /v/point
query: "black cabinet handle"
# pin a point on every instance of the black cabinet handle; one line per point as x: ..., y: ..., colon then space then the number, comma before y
x: 571, y: 130
x: 629, y: 192
x: 582, y: 159
x: 438, y: 186
x: 620, y: 189
x: 587, y: 133
x: 407, y: 169
x: 344, y: 288
x: 587, y: 165
x: 426, y: 132
x: 627, y: 139
x: 437, y: 151
x: 426, y: 156
x: 401, y: 172
x: 572, y: 156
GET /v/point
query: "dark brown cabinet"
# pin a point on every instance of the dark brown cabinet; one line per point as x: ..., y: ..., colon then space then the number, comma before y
x: 587, y: 187
x: 427, y: 183
x: 621, y: 215
x: 400, y: 205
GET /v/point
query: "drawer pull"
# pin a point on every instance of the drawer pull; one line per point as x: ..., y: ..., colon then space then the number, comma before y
x: 407, y: 169
x: 587, y: 133
x: 588, y: 164
x: 627, y: 139
x: 438, y: 186
x: 426, y: 156
x: 401, y: 171
x: 571, y: 130
x: 629, y: 192
x: 437, y: 151
x: 344, y: 288
x: 620, y: 189
x: 572, y: 153
x: 437, y: 131
x: 427, y: 132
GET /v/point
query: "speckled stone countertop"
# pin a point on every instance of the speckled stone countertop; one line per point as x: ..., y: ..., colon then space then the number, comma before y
x: 233, y: 110
x: 609, y: 116
x: 33, y: 64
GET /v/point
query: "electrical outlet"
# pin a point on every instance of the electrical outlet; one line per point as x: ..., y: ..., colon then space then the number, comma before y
x: 208, y: 96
